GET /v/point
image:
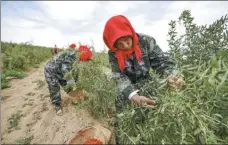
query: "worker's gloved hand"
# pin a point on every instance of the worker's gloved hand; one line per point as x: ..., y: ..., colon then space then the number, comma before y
x: 70, y: 83
x: 70, y: 86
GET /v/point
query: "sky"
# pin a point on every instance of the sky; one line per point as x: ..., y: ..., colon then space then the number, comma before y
x: 46, y: 23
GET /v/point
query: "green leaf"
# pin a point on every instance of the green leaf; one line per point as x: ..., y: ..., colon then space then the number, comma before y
x: 218, y: 115
x: 197, y: 131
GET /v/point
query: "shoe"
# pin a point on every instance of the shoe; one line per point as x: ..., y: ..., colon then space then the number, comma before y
x: 58, y: 110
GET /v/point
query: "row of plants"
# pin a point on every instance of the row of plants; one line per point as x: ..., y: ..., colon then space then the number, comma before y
x: 16, y: 59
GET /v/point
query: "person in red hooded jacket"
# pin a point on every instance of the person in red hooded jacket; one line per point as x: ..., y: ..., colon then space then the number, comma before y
x: 131, y: 56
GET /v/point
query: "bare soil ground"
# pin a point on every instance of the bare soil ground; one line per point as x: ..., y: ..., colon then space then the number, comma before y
x: 28, y: 116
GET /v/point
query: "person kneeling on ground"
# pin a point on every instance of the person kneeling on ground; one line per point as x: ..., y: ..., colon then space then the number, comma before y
x: 55, y: 71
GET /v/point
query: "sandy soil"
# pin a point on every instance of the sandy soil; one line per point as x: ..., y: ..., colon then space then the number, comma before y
x: 28, y: 116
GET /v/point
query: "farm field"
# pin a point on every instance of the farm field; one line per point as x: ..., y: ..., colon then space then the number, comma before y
x: 196, y: 114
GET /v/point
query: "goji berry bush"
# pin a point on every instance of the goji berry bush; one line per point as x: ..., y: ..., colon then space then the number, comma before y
x: 196, y: 114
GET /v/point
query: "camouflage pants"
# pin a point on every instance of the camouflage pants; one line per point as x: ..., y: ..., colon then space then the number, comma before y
x: 54, y: 85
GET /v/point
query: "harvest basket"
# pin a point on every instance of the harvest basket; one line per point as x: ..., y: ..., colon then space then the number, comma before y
x: 91, y: 132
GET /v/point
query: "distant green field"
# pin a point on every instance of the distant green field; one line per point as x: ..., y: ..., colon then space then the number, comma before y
x: 17, y: 58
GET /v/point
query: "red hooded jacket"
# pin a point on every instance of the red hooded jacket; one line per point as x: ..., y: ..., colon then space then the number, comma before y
x: 86, y: 53
x: 115, y: 28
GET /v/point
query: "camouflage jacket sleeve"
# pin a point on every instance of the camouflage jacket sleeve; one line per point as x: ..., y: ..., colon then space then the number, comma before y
x: 158, y: 60
x: 124, y: 85
x: 67, y: 62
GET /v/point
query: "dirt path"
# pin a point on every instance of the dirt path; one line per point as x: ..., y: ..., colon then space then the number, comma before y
x: 28, y: 116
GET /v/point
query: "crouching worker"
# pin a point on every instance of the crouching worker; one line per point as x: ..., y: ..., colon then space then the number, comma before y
x: 131, y: 56
x: 55, y: 71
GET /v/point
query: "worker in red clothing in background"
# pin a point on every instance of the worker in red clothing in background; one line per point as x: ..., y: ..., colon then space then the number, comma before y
x: 55, y: 50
